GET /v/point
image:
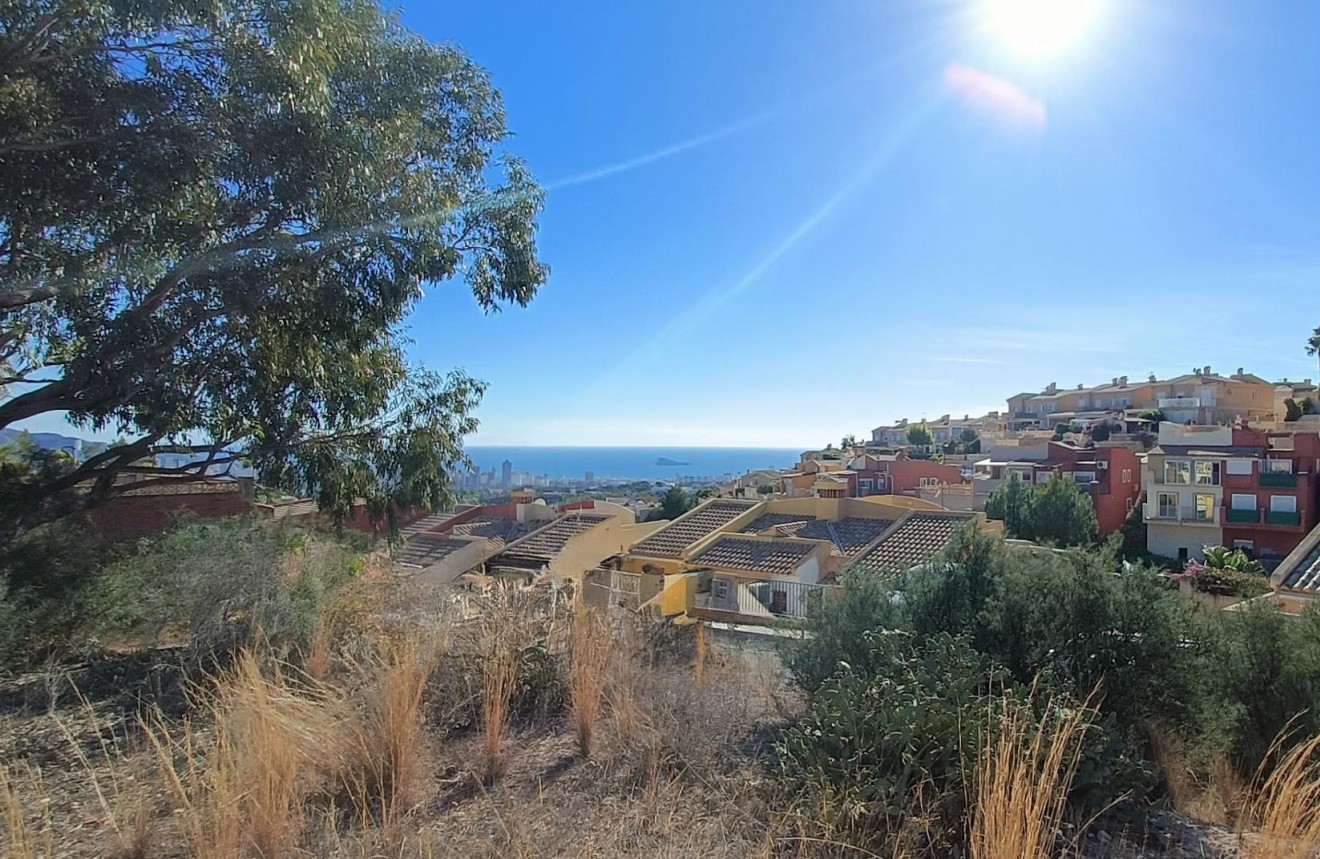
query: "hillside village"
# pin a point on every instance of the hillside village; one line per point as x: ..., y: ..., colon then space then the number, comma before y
x: 290, y: 598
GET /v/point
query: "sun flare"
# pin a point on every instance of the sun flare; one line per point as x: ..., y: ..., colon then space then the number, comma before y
x: 1040, y: 28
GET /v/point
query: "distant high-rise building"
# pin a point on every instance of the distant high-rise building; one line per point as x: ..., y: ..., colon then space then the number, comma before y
x: 591, y: 477
x: 506, y: 476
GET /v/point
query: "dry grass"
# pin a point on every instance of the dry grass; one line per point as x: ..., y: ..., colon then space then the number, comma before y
x: 21, y: 841
x: 1286, y: 806
x: 247, y: 784
x: 125, y: 800
x: 1024, y: 771
x: 391, y: 754
x: 1210, y: 792
x: 506, y: 626
x: 591, y: 644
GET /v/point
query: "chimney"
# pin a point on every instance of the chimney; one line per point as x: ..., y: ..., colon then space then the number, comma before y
x: 1207, y: 369
x: 1080, y: 386
x: 1115, y: 382
x: 967, y: 417
x: 1123, y: 380
x: 1152, y: 378
x: 1241, y: 371
x: 1052, y: 389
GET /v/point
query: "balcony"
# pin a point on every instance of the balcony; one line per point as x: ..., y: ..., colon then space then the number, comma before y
x: 761, y: 598
x: 1242, y: 517
x: 1277, y: 518
x: 1278, y: 479
x: 1181, y: 515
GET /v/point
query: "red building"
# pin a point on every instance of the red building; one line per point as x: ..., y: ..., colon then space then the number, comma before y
x: 1110, y: 472
x: 1271, y: 494
x: 897, y: 474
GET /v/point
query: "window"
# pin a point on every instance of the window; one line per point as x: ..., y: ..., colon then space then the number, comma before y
x: 1130, y: 505
x: 1207, y: 474
x: 1239, y: 466
x: 1277, y: 466
x: 1127, y: 475
x: 1177, y: 472
x: 1084, y: 478
x: 1205, y: 508
x: 719, y: 589
x: 1168, y: 505
x: 1283, y: 504
x: 866, y: 484
x: 1244, y: 502
x: 1183, y: 554
x: 1247, y: 546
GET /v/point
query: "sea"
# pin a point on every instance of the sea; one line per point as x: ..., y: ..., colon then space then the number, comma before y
x: 633, y: 463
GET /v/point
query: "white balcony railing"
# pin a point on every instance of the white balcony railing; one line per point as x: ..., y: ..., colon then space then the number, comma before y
x: 1182, y: 515
x: 765, y: 598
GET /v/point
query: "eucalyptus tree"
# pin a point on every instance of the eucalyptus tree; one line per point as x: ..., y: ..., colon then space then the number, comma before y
x: 215, y: 218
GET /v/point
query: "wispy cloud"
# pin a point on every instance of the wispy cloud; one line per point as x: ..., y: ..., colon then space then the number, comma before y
x: 608, y: 170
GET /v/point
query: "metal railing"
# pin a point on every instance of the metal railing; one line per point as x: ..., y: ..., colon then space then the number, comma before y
x: 1156, y: 512
x: 761, y: 597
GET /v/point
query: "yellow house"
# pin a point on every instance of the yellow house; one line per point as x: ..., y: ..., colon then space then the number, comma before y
x: 750, y: 562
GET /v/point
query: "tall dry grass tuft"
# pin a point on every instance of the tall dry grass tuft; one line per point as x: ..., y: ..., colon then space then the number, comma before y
x: 242, y: 785
x: 21, y: 841
x: 591, y: 644
x: 1286, y: 806
x: 1024, y: 771
x: 391, y: 756
x: 506, y: 626
x: 126, y: 801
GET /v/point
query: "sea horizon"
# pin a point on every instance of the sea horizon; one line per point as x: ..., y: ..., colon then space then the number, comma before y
x: 634, y: 462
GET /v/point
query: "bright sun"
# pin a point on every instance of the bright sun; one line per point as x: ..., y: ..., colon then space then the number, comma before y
x: 1040, y: 28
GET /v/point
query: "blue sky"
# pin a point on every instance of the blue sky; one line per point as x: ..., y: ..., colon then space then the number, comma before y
x: 773, y: 223
x: 847, y: 241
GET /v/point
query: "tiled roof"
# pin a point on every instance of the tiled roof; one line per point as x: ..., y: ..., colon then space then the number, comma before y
x: 1305, y: 574
x: 427, y: 524
x: 423, y: 549
x: 782, y: 557
x: 671, y: 540
x: 771, y: 520
x: 550, y: 540
x: 851, y: 535
x: 916, y: 538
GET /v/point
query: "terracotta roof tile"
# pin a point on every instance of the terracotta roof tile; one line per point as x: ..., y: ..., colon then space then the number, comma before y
x: 671, y: 540
x: 850, y: 535
x: 918, y: 537
x: 423, y: 549
x: 771, y: 520
x: 779, y: 557
x: 550, y: 540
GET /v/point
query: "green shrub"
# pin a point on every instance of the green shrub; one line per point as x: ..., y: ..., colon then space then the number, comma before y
x: 1265, y: 676
x: 876, y: 740
x: 1070, y: 619
x: 225, y: 585
x: 836, y: 629
x: 11, y: 629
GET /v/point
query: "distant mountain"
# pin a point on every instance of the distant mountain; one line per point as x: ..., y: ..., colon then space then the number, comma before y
x: 666, y: 461
x: 51, y: 440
